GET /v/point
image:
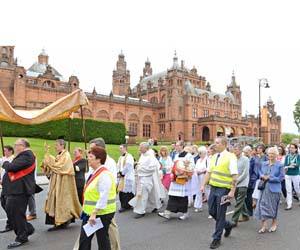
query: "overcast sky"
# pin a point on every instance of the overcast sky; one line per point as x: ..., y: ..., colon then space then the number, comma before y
x: 256, y: 39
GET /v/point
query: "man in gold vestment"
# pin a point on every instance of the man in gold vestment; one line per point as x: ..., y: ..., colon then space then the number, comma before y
x: 62, y: 204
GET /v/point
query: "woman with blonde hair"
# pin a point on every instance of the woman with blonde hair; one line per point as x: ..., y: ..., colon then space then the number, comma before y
x: 271, y: 173
x: 166, y: 166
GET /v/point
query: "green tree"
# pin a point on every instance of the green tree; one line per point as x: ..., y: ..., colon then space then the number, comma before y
x: 286, y: 138
x: 297, y: 114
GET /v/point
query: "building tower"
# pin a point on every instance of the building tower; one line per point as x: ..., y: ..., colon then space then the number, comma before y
x: 235, y: 90
x: 7, y: 56
x: 147, y: 70
x: 271, y: 107
x: 121, y: 77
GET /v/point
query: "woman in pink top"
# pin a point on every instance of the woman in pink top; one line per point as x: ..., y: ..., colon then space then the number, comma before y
x: 166, y: 166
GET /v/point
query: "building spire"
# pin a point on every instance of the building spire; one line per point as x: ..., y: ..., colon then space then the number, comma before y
x: 175, y: 61
x: 233, y: 82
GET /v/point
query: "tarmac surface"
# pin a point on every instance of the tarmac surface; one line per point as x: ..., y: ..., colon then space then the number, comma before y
x: 154, y: 233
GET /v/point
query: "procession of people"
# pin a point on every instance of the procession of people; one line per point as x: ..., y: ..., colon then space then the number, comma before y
x: 252, y: 179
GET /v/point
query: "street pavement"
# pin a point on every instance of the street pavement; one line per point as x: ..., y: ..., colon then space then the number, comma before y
x: 154, y: 233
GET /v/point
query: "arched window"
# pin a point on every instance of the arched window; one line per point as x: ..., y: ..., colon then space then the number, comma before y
x: 119, y: 116
x: 133, y: 124
x: 103, y: 115
x: 48, y: 84
x: 154, y: 99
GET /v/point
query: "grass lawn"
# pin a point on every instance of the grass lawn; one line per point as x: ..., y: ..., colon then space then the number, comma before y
x: 37, y: 146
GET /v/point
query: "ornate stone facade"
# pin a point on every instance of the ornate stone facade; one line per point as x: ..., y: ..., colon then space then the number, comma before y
x: 174, y: 104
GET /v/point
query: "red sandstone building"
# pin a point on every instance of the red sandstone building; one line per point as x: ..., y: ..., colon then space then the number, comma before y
x: 169, y: 105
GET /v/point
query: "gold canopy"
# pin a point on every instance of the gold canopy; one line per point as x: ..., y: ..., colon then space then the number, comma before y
x: 60, y: 109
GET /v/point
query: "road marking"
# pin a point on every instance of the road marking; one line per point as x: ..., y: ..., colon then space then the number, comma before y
x: 3, y: 219
x: 230, y: 212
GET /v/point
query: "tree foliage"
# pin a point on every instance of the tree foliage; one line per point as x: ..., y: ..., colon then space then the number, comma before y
x: 286, y: 138
x: 297, y: 114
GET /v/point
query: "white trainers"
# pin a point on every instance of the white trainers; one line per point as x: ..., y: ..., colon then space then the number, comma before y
x: 184, y: 216
x: 164, y: 215
x: 197, y: 210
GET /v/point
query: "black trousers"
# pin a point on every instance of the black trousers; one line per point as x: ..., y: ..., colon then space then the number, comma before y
x: 85, y: 243
x: 283, y: 189
x: 249, y: 201
x: 3, y: 199
x: 16, y: 206
x: 125, y: 198
x: 79, y: 193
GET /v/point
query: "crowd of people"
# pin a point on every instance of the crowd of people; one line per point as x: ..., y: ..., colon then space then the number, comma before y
x: 185, y: 176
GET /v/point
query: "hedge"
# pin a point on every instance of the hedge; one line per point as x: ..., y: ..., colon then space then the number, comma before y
x: 111, y: 132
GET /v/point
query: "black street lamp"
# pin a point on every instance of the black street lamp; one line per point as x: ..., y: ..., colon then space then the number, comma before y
x: 263, y: 82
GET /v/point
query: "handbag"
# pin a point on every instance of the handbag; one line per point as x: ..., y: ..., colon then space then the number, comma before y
x: 261, y: 185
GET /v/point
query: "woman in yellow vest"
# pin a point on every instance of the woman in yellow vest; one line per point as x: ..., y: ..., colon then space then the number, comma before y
x: 99, y: 200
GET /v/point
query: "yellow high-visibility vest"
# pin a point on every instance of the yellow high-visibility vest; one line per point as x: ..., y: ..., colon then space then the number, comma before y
x: 91, y: 196
x: 220, y: 173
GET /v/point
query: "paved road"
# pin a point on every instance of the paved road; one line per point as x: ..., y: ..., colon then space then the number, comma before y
x: 155, y: 233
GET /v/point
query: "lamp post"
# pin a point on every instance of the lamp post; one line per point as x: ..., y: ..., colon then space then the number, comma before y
x: 126, y: 139
x: 263, y: 82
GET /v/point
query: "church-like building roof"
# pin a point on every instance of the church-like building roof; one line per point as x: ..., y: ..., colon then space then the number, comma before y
x: 39, y: 68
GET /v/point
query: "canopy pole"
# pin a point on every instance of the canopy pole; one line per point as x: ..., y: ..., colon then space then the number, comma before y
x: 84, y: 134
x: 69, y: 136
x: 1, y: 139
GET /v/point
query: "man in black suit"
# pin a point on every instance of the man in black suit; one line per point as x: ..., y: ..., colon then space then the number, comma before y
x: 19, y: 184
x: 79, y: 164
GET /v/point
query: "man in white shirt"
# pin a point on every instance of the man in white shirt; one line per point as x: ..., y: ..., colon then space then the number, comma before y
x: 148, y: 186
x: 222, y: 177
x: 111, y: 165
x: 126, y: 185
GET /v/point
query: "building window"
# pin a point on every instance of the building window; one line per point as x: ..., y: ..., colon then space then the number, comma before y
x: 205, y: 113
x: 226, y: 115
x: 162, y: 128
x: 31, y: 81
x: 133, y: 128
x: 170, y: 127
x: 194, y: 129
x: 48, y: 84
x: 194, y: 113
x: 217, y: 114
x: 235, y: 115
x: 146, y: 130
x: 162, y: 115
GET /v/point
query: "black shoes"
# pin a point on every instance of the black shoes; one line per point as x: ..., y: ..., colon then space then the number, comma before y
x: 215, y: 244
x: 31, y: 232
x: 6, y: 229
x: 228, y: 231
x: 15, y: 244
x: 154, y: 210
x: 137, y: 216
x: 122, y: 209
